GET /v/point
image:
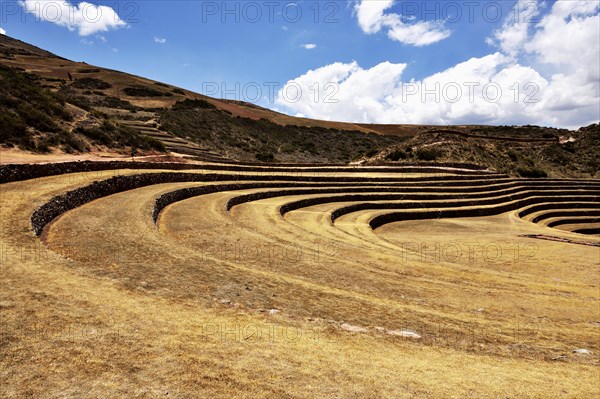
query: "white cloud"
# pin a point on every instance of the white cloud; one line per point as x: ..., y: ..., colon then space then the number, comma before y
x: 85, y: 18
x: 558, y: 84
x: 568, y: 35
x: 160, y: 40
x: 309, y: 46
x: 372, y: 19
x: 2, y: 31
x: 457, y: 95
x: 515, y: 29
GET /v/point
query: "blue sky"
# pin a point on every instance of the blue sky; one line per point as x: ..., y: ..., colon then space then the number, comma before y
x: 194, y: 44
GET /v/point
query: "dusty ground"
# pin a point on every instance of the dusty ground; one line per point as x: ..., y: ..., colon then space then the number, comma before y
x: 110, y: 305
x: 15, y: 156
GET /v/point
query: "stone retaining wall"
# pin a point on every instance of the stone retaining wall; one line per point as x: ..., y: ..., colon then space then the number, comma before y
x: 73, y: 199
x: 381, y: 220
x: 19, y: 172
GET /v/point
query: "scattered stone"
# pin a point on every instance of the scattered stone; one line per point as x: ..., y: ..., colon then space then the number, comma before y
x: 565, y: 139
x: 351, y: 328
x: 274, y: 311
x: 144, y: 284
x: 404, y: 333
x: 559, y: 357
x: 480, y: 310
x: 226, y: 301
x: 582, y: 351
x: 380, y: 329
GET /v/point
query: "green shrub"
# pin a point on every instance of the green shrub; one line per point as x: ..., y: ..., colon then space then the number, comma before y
x: 114, y: 102
x: 72, y: 144
x: 91, y: 84
x: 372, y: 152
x: 396, y: 155
x: 89, y: 70
x: 569, y: 147
x: 533, y: 173
x: 427, y: 154
x: 263, y: 157
x: 192, y: 104
x: 143, y: 91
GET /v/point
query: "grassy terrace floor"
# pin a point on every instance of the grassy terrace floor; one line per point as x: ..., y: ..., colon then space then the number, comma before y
x: 108, y: 304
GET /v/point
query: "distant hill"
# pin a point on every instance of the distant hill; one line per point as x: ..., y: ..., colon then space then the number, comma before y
x: 49, y: 103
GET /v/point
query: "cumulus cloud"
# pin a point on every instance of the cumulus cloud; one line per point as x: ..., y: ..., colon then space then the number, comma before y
x: 2, y: 31
x: 568, y: 36
x: 85, y: 18
x: 372, y: 18
x: 309, y: 46
x: 515, y: 30
x: 480, y: 90
x: 537, y: 76
x: 160, y: 40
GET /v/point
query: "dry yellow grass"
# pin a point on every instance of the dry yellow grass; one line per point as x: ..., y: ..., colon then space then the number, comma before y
x: 115, y: 306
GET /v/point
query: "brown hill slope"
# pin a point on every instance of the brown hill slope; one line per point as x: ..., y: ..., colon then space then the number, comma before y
x: 96, y: 102
x: 49, y: 103
x: 55, y: 71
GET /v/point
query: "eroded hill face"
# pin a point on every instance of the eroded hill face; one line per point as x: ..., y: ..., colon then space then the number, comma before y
x: 49, y: 103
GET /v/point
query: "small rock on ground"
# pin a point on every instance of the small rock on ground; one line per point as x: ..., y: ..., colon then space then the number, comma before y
x: 351, y: 328
x: 404, y: 333
x: 582, y: 351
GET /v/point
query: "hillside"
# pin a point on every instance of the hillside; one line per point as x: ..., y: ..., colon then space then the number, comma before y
x: 95, y: 103
x: 50, y: 104
x: 527, y: 151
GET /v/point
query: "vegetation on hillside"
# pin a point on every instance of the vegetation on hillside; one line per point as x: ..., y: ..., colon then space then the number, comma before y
x: 142, y: 91
x: 265, y: 141
x: 77, y: 107
x: 26, y: 108
x: 37, y: 119
x: 575, y: 155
